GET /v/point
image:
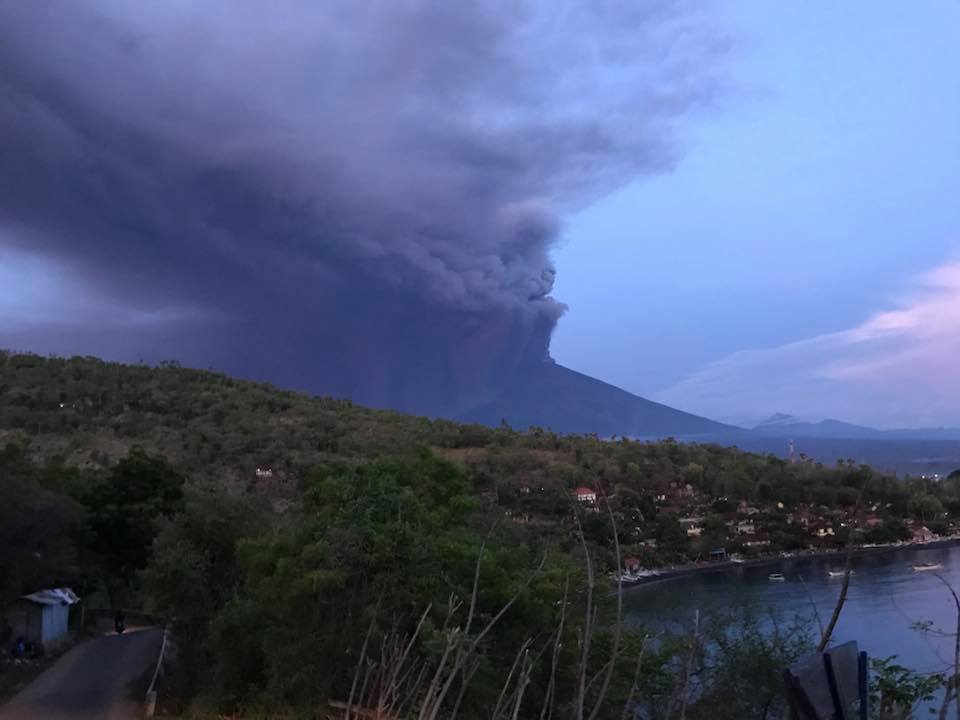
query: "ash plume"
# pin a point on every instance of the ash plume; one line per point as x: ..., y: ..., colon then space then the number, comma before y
x: 355, y: 198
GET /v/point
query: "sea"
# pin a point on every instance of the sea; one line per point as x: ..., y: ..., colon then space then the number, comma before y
x: 886, y: 602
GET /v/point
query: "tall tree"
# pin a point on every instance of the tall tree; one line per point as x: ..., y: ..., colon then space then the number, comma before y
x: 125, y: 510
x: 37, y: 529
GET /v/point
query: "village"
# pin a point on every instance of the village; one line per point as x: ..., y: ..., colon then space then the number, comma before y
x: 679, y: 528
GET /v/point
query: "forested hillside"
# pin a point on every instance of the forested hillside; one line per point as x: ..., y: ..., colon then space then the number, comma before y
x: 299, y: 544
x: 87, y: 413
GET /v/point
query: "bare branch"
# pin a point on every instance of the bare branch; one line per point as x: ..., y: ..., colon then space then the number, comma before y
x: 842, y: 599
x: 438, y: 691
x: 813, y: 604
x: 546, y: 711
x: 360, y: 662
x: 522, y: 683
x: 467, y: 675
x: 688, y: 668
x: 618, y: 628
x: 956, y: 648
x: 627, y: 706
x: 476, y: 581
x: 587, y: 627
x: 521, y: 653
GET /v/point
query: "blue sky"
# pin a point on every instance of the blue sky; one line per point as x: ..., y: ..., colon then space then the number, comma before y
x: 816, y: 195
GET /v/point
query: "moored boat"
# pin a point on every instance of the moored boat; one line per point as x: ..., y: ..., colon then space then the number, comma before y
x: 839, y: 573
x: 776, y: 577
x: 924, y: 567
x: 636, y: 575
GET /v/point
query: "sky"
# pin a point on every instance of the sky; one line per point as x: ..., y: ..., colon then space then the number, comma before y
x: 821, y: 195
x: 735, y: 208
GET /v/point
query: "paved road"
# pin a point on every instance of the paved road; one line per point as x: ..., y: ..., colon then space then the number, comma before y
x: 100, y: 679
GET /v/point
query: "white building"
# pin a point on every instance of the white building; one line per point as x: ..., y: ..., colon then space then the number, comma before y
x: 585, y: 495
x: 42, y: 617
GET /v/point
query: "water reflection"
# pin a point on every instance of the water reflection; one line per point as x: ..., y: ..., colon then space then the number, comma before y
x: 885, y: 599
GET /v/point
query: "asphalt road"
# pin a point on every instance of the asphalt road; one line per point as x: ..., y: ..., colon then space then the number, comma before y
x: 101, y: 679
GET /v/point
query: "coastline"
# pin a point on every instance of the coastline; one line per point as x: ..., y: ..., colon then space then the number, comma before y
x: 686, y: 570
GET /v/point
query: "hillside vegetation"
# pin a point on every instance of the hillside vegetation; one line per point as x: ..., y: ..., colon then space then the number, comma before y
x: 87, y: 413
x: 300, y: 544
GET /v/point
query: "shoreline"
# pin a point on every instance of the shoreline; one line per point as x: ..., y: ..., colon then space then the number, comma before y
x: 684, y: 571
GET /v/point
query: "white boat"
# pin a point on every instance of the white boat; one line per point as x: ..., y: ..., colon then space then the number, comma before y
x: 776, y: 577
x: 839, y: 573
x: 923, y: 567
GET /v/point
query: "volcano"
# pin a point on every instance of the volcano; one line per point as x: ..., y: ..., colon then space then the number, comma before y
x: 554, y: 397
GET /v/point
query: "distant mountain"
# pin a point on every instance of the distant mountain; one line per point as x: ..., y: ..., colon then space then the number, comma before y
x: 551, y: 396
x: 783, y: 425
x: 925, y: 451
x: 776, y: 420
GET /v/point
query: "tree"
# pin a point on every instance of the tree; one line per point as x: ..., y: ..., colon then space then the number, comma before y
x: 672, y: 539
x: 893, y: 530
x: 925, y: 506
x: 193, y: 571
x: 825, y: 495
x: 125, y: 510
x: 383, y: 540
x: 38, y: 529
x: 714, y: 534
x: 847, y: 496
x: 743, y: 663
x: 953, y: 482
x: 724, y: 505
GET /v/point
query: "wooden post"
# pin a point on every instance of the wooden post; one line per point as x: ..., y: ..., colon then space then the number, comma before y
x: 841, y: 711
x: 863, y: 677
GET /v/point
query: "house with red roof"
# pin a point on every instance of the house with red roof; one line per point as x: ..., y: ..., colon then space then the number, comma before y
x: 585, y: 495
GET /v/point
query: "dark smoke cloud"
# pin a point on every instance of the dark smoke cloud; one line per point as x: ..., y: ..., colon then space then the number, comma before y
x: 352, y: 197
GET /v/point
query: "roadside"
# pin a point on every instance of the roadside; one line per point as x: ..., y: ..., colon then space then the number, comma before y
x: 17, y: 673
x: 103, y: 678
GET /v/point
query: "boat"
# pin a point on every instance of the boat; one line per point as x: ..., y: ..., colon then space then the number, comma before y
x: 628, y: 578
x: 839, y: 573
x: 776, y: 577
x: 923, y: 567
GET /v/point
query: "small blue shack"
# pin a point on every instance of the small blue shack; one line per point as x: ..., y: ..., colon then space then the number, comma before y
x: 42, y: 617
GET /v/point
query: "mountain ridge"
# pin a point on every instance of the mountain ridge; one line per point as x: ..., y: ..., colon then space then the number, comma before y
x: 552, y: 396
x: 784, y: 425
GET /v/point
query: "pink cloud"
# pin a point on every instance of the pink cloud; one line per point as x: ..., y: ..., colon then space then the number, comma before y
x: 896, y: 369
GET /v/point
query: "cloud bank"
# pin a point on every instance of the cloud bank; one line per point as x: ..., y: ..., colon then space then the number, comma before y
x: 354, y: 198
x: 896, y: 369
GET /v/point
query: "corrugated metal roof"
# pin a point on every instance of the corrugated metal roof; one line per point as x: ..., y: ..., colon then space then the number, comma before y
x: 53, y: 596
